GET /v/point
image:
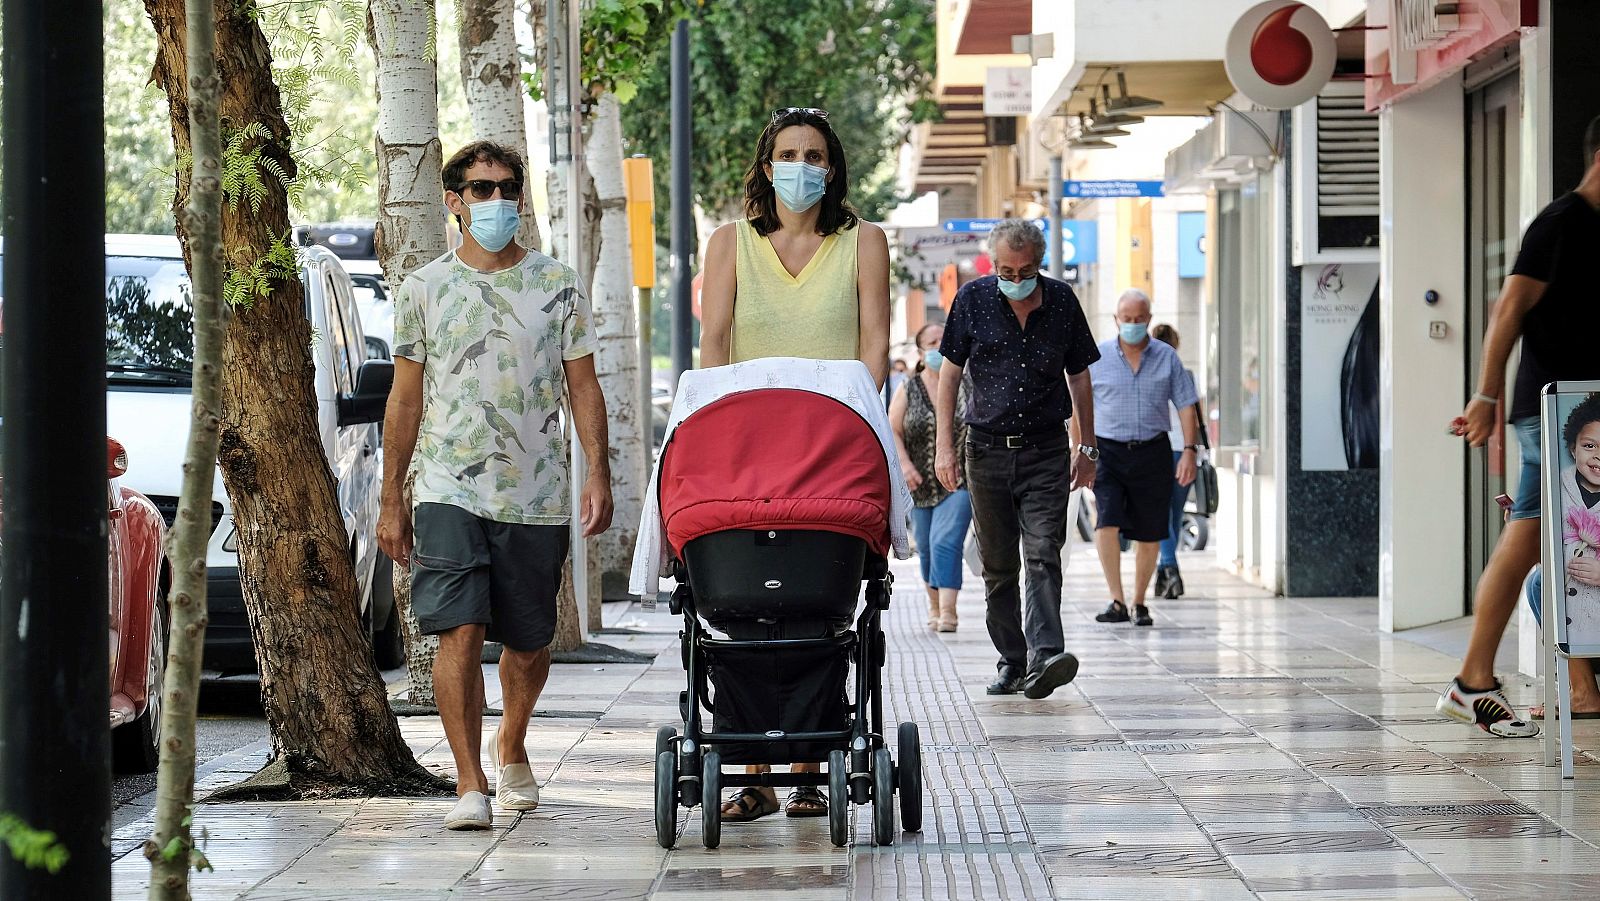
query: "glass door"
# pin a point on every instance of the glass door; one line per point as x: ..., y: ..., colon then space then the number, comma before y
x: 1493, y: 157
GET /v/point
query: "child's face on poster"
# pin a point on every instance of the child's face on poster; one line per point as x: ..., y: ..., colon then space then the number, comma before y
x: 1586, y: 454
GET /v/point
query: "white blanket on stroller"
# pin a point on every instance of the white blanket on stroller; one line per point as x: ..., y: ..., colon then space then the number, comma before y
x: 848, y: 381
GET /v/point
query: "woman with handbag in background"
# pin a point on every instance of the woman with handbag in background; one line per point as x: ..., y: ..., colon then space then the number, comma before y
x: 1169, y: 581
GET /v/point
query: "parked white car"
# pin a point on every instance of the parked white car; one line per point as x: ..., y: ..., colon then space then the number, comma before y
x: 149, y: 347
x: 374, y: 299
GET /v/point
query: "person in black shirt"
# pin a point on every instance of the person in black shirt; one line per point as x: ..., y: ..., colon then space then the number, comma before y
x: 1546, y: 301
x: 1023, y: 340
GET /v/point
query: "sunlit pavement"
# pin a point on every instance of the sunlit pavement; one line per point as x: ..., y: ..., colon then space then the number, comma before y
x: 1244, y: 747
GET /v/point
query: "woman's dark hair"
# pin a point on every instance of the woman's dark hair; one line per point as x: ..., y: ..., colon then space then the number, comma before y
x: 1587, y: 411
x: 761, y: 202
x: 1164, y: 333
x: 917, y: 340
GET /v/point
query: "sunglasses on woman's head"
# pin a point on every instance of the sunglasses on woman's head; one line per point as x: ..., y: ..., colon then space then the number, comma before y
x: 802, y: 110
x: 483, y: 189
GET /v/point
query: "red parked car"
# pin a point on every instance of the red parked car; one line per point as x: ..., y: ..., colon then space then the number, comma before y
x: 137, y: 566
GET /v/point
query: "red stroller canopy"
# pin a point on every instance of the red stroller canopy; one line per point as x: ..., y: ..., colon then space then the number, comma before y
x: 775, y: 458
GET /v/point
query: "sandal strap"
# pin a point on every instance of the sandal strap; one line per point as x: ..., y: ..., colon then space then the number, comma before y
x: 807, y: 793
x: 747, y: 799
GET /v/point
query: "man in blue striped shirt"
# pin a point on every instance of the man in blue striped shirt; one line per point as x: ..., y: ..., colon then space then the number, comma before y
x: 1134, y: 380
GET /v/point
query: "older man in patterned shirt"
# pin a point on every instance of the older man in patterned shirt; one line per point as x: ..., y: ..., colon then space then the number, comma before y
x: 1135, y: 379
x: 1021, y: 338
x: 488, y: 338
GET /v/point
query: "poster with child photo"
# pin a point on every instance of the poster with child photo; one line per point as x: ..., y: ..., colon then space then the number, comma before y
x: 1578, y: 505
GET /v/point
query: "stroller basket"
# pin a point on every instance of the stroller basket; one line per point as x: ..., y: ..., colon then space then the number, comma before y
x: 769, y: 575
x: 759, y: 688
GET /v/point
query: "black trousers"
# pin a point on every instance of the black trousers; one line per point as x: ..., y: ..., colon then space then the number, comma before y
x: 1019, y: 496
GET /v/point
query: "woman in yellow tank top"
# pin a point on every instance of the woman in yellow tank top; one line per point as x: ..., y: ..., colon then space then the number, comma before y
x: 801, y: 275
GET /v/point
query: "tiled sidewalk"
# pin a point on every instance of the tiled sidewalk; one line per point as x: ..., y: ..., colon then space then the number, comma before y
x: 1245, y: 747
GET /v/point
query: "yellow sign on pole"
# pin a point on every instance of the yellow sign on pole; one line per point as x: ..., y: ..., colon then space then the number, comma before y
x: 639, y: 184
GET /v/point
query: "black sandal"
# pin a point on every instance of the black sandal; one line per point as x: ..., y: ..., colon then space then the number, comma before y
x: 806, y: 801
x: 751, y: 805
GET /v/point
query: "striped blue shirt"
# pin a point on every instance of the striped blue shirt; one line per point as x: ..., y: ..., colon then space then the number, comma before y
x: 1132, y: 406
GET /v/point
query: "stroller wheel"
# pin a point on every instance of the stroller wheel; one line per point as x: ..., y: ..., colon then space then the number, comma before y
x: 664, y: 739
x: 883, y: 797
x: 711, y: 800
x: 838, y: 798
x: 908, y: 778
x: 666, y: 799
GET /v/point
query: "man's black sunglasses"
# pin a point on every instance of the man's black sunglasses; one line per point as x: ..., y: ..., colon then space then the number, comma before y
x: 483, y: 188
x: 802, y: 110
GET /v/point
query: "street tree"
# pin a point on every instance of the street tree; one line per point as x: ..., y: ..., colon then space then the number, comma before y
x: 616, y: 40
x: 617, y: 361
x: 411, y: 224
x: 171, y: 848
x: 324, y: 701
x: 491, y: 74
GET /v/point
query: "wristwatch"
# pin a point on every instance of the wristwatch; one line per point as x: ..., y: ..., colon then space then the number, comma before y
x: 1193, y: 447
x: 1093, y: 453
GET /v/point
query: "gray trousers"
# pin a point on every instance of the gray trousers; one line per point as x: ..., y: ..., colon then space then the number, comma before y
x: 1020, y: 497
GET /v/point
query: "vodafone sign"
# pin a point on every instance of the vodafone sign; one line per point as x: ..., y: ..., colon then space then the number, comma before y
x: 1280, y: 54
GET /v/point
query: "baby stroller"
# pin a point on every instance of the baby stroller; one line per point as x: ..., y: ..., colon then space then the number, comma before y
x: 775, y: 504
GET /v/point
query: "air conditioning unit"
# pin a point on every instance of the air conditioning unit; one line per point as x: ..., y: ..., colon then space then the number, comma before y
x: 1335, y: 158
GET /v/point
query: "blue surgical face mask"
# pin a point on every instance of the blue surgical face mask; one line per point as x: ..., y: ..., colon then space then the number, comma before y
x: 799, y: 185
x: 494, y: 223
x: 1133, y: 332
x: 1019, y: 290
x: 933, y: 360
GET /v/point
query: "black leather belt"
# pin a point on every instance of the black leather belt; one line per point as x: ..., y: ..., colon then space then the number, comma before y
x: 1133, y: 445
x: 1014, y: 442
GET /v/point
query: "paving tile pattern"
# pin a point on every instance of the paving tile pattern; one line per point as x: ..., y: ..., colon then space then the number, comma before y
x: 1246, y: 747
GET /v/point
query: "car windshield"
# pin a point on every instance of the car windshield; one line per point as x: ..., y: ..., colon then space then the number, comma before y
x: 149, y: 318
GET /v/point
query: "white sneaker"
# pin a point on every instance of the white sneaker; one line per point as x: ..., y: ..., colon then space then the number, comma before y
x: 515, y: 786
x: 471, y: 812
x: 1489, y: 710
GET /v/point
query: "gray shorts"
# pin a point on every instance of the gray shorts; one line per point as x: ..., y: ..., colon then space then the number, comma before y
x: 466, y: 570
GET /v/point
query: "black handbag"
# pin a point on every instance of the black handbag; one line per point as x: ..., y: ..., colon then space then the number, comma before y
x: 1205, y: 477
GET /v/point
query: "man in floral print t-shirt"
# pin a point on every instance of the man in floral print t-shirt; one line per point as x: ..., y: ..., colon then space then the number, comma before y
x: 493, y: 347
x: 489, y: 338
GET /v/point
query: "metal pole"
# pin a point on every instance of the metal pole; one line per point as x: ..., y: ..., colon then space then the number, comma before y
x: 574, y: 104
x: 646, y: 368
x: 55, y: 743
x: 682, y: 207
x: 1056, y: 263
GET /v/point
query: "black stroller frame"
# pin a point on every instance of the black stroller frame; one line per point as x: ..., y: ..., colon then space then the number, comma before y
x: 861, y: 769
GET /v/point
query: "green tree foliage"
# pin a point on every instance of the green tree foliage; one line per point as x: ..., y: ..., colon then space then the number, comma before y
x: 326, y: 74
x: 869, y: 63
x: 36, y: 849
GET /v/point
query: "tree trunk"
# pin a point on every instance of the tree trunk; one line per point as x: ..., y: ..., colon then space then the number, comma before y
x: 421, y: 649
x: 171, y: 845
x: 569, y: 624
x: 324, y: 701
x: 616, y: 325
x: 411, y: 226
x: 491, y: 73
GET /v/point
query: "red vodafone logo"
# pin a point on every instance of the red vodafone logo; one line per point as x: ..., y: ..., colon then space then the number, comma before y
x: 1280, y: 54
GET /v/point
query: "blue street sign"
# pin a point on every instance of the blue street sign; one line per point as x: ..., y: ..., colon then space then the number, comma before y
x: 982, y: 226
x: 1078, y: 237
x: 1079, y: 242
x: 1112, y: 188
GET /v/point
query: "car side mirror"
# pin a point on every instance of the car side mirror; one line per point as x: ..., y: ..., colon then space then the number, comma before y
x: 366, y: 404
x: 116, y: 459
x: 378, y: 349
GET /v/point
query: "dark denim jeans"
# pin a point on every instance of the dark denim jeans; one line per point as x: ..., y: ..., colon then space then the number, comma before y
x: 1020, y: 497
